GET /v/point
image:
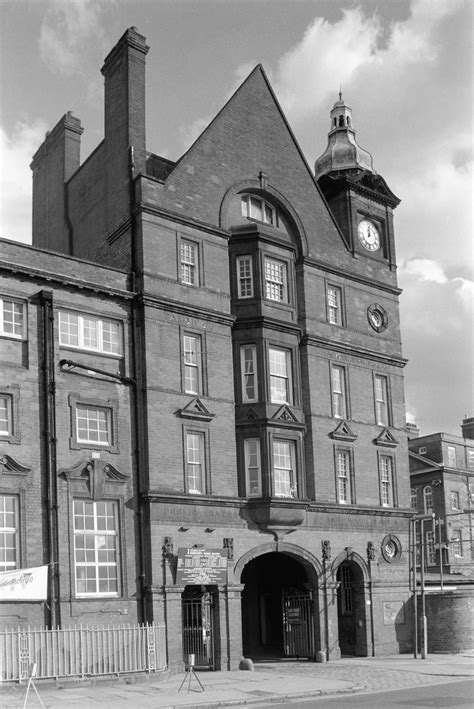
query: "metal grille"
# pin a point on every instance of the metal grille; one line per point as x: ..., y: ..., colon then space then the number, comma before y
x: 81, y: 651
x: 298, y: 636
x: 198, y: 628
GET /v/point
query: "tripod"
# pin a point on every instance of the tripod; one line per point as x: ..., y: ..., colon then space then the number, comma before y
x: 189, y: 674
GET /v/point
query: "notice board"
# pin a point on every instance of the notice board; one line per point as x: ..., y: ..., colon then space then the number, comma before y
x: 197, y: 565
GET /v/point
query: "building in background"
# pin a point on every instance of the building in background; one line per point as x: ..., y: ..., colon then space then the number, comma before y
x: 203, y: 418
x: 442, y: 483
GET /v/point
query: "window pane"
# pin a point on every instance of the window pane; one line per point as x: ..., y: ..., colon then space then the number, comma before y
x: 334, y: 305
x: 381, y: 407
x: 386, y: 479
x: 89, y: 332
x: 248, y: 356
x: 11, y: 318
x: 194, y: 462
x: 343, y: 472
x: 279, y: 362
x: 252, y: 464
x: 192, y: 364
x: 68, y: 329
x: 256, y: 208
x: 96, y: 547
x: 339, y: 392
x: 284, y: 479
x: 5, y: 415
x: 275, y: 280
x: 428, y: 498
x: 111, y: 337
x: 245, y: 280
x: 188, y: 255
x: 9, y: 528
x: 452, y: 456
x: 93, y: 425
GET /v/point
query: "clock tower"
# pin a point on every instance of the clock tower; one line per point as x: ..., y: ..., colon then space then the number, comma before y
x: 360, y: 199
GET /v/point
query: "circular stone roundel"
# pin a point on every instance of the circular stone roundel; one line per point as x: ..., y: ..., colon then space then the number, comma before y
x: 391, y: 548
x: 377, y: 317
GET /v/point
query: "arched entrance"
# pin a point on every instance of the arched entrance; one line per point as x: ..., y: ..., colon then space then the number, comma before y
x: 277, y: 608
x: 351, y: 609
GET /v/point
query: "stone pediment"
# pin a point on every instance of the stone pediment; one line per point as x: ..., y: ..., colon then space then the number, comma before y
x: 195, y: 409
x: 385, y: 438
x: 343, y: 432
x: 95, y: 474
x: 285, y: 414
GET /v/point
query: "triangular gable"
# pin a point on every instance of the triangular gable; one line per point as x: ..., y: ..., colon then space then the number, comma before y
x: 248, y: 136
x: 195, y: 409
x: 252, y: 415
x: 343, y: 432
x: 421, y: 464
x: 385, y: 438
x: 285, y: 414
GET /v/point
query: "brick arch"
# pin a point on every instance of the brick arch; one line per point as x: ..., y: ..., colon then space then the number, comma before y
x: 353, y: 556
x: 310, y: 563
x: 298, y: 230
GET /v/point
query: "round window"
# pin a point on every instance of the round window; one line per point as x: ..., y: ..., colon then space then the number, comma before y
x: 391, y: 548
x: 377, y: 317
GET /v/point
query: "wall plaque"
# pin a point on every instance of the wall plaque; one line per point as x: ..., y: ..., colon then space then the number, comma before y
x: 197, y: 565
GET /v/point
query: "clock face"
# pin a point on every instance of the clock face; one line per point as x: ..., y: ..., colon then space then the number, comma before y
x: 369, y: 235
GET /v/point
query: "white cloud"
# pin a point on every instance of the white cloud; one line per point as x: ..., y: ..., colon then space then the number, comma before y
x: 68, y: 30
x: 465, y: 292
x: 327, y: 57
x: 426, y: 269
x: 16, y: 151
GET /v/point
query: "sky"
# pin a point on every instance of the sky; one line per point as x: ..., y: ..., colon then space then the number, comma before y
x: 404, y: 66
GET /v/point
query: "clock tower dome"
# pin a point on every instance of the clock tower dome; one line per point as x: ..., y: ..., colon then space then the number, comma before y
x: 360, y: 199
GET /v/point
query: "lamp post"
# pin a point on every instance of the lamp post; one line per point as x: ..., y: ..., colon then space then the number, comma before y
x: 424, y: 644
x: 414, y: 548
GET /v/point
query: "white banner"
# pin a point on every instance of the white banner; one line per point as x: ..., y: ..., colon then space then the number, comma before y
x: 24, y: 584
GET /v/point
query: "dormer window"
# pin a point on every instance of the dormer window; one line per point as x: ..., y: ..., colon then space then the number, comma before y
x: 254, y: 207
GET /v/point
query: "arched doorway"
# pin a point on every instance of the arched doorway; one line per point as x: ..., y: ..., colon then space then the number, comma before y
x: 277, y: 608
x: 351, y: 611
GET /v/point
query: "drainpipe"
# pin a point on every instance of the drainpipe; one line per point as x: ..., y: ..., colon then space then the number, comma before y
x: 50, y: 454
x: 326, y: 610
x: 139, y: 415
x: 371, y: 599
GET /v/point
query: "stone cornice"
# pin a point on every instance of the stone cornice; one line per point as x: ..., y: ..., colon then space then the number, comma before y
x: 194, y: 500
x: 354, y: 351
x: 241, y: 502
x: 360, y: 510
x: 358, y: 278
x: 65, y: 280
x: 187, y: 310
x: 262, y: 321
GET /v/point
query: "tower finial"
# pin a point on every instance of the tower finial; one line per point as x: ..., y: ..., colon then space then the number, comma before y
x: 340, y: 92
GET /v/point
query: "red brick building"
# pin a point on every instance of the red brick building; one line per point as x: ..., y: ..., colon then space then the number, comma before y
x: 442, y: 482
x: 204, y: 418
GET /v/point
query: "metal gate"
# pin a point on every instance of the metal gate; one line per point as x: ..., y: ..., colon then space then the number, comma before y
x: 298, y: 639
x: 198, y: 627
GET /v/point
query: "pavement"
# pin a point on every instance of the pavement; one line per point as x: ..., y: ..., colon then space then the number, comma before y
x: 269, y: 682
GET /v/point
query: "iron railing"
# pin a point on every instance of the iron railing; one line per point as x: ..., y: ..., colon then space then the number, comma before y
x: 81, y: 651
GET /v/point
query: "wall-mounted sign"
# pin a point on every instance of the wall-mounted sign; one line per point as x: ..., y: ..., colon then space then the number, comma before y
x: 24, y: 584
x: 200, y: 566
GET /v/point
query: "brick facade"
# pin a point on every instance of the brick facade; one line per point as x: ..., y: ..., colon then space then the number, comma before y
x: 223, y: 401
